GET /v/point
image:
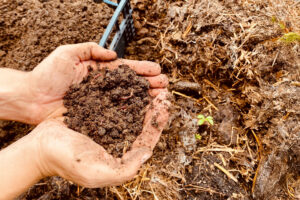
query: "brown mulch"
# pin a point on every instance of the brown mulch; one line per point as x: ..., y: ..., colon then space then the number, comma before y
x: 224, y: 59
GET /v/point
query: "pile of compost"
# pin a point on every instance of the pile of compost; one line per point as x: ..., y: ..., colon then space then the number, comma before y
x: 224, y: 59
x: 109, y: 106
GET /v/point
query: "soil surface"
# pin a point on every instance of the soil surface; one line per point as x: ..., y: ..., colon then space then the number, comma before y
x: 30, y: 30
x: 224, y: 59
x: 109, y: 106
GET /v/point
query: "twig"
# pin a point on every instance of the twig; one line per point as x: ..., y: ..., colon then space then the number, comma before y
x: 114, y: 190
x: 274, y: 61
x: 285, y: 116
x: 259, y: 159
x: 185, y: 96
x: 208, y: 101
x: 141, y: 181
x: 202, y: 189
x: 226, y: 172
x: 78, y: 191
x: 212, y: 85
x: 187, y: 30
x: 295, y: 83
x: 153, y: 193
x: 220, y: 150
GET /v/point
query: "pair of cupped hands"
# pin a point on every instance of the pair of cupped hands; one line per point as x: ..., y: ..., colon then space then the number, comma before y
x: 69, y: 154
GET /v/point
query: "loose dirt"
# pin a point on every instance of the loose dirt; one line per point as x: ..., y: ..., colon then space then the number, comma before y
x: 109, y: 106
x: 30, y: 30
x: 224, y: 59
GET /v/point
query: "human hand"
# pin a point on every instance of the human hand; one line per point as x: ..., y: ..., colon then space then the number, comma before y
x: 76, y: 157
x: 68, y: 65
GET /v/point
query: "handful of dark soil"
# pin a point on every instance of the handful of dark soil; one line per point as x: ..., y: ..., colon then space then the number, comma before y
x: 109, y: 106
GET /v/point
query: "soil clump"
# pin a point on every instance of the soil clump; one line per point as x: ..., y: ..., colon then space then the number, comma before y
x: 108, y: 106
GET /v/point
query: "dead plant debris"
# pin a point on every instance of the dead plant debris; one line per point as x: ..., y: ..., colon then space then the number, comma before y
x: 235, y: 68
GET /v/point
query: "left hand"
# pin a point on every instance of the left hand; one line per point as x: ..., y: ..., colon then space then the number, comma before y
x: 53, y: 149
x: 76, y: 157
x: 68, y: 65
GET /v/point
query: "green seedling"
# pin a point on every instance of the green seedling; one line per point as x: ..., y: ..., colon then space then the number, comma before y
x: 280, y: 23
x: 198, y: 136
x: 202, y: 119
x: 290, y: 37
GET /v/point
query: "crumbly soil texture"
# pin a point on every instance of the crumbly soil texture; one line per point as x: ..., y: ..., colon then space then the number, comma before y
x: 109, y: 106
x: 224, y: 59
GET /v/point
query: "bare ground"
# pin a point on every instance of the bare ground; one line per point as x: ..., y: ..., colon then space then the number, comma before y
x: 225, y: 59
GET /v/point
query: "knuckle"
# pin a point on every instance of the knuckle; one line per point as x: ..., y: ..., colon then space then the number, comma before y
x: 92, y: 43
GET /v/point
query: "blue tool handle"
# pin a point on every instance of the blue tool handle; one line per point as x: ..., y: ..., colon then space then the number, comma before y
x: 110, y: 3
x: 112, y: 22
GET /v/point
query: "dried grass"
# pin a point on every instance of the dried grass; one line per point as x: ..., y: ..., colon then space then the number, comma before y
x: 231, y: 41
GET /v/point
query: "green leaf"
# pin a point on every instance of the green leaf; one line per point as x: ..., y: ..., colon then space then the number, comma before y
x: 210, y: 120
x: 282, y: 25
x: 200, y: 116
x: 201, y: 121
x: 274, y: 19
x: 290, y: 37
x: 198, y: 136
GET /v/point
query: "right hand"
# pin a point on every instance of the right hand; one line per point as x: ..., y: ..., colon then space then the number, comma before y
x: 67, y: 65
x: 76, y: 157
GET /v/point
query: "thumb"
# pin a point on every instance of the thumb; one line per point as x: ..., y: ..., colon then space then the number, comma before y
x: 137, y: 156
x: 89, y: 51
x: 132, y: 161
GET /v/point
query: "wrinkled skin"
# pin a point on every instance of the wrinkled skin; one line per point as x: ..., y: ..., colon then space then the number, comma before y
x: 78, y: 158
x: 52, y: 148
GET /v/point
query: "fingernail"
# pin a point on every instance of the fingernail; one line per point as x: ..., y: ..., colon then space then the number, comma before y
x: 145, y: 158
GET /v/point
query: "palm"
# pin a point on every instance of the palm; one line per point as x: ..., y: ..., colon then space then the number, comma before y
x: 68, y: 65
x: 78, y: 158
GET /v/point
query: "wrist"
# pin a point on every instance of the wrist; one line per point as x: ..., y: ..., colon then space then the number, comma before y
x: 19, y: 167
x: 16, y: 101
x: 43, y: 148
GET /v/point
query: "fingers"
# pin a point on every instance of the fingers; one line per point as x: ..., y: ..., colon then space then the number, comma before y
x: 155, y: 120
x: 145, y: 68
x: 159, y: 81
x: 137, y: 157
x: 155, y: 92
x: 88, y: 51
x: 110, y: 171
x: 77, y: 158
x: 131, y: 163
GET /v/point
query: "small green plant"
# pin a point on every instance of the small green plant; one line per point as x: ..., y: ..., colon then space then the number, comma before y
x: 198, y: 136
x: 290, y: 37
x: 280, y: 23
x: 202, y: 119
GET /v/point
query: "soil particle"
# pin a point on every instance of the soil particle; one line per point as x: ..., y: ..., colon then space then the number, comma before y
x: 211, y: 182
x: 154, y: 121
x: 233, y: 44
x: 109, y: 106
x: 30, y: 30
x: 12, y: 131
